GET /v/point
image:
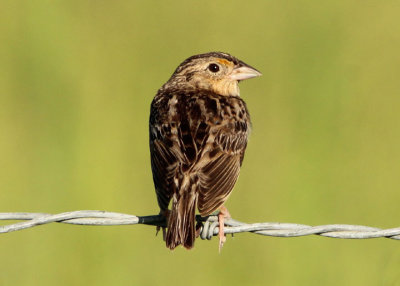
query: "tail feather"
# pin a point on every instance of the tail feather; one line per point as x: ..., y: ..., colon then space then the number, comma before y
x: 181, y: 221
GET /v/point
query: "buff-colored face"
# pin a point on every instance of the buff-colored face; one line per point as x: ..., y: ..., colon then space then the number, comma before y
x: 216, y: 74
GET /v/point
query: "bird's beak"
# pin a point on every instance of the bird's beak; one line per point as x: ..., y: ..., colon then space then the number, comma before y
x: 243, y: 71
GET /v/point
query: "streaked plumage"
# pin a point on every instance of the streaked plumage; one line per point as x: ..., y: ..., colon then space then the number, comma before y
x: 198, y: 135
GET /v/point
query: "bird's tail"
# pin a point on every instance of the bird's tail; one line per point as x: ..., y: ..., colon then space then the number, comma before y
x: 182, y: 220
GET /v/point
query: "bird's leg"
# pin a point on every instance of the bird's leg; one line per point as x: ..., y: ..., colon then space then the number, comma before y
x: 166, y: 214
x: 223, y: 213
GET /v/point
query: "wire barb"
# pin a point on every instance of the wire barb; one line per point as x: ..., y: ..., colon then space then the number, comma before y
x: 209, y: 225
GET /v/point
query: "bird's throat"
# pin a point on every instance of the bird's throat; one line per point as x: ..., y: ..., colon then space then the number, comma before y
x: 226, y: 88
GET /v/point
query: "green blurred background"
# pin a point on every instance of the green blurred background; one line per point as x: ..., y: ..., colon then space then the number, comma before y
x: 76, y: 82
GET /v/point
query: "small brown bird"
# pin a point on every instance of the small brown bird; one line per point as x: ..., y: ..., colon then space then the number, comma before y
x: 199, y: 127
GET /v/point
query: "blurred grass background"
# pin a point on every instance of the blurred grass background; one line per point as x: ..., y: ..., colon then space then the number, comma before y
x: 76, y: 82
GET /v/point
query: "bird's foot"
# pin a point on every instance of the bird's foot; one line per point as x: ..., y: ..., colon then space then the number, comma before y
x: 164, y: 231
x: 221, y: 219
x: 164, y: 213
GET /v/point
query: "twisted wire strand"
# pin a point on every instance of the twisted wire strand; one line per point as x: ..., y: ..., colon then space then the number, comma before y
x: 209, y: 225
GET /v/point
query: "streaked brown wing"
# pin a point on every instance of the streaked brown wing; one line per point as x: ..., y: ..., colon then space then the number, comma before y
x: 164, y: 162
x: 163, y: 166
x: 219, y: 174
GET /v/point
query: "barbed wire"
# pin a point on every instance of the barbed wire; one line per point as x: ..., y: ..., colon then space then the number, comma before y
x: 209, y: 225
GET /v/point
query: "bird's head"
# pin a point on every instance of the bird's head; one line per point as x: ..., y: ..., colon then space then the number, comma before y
x: 215, y: 71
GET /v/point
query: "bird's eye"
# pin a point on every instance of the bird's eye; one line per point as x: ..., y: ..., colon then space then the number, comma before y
x: 213, y: 68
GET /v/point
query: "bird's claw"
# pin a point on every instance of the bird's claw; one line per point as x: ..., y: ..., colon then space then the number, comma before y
x: 164, y: 233
x: 222, y: 240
